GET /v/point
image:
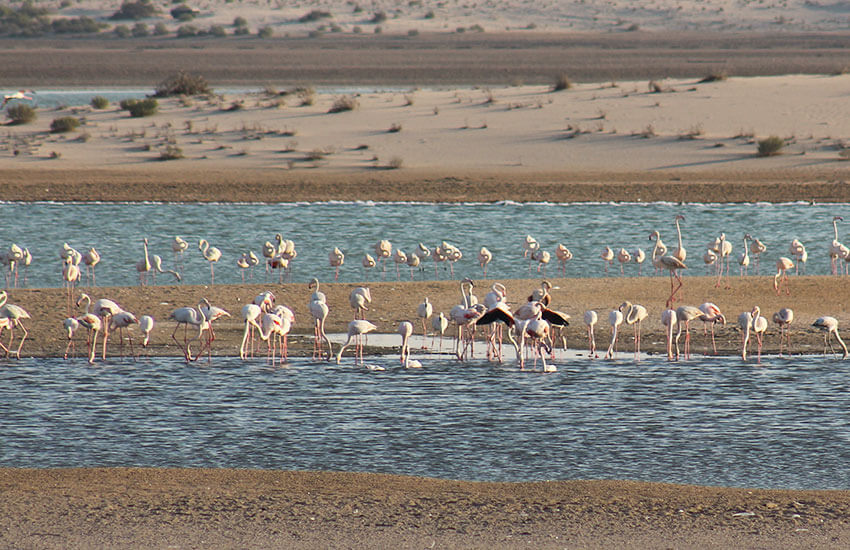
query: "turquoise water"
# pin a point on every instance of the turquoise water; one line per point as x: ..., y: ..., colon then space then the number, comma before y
x: 116, y: 231
x: 710, y: 421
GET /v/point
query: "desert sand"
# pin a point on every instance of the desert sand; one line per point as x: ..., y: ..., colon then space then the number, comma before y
x: 474, y: 119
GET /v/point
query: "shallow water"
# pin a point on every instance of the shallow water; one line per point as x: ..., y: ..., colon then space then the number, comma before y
x: 116, y: 230
x: 711, y: 421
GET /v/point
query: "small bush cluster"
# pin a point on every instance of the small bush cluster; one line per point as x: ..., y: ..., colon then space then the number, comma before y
x: 99, y: 102
x: 770, y: 146
x: 64, y: 124
x: 182, y: 83
x: 142, y: 9
x: 562, y: 82
x: 140, y: 107
x: 344, y: 103
x: 183, y: 13
x: 314, y: 15
x: 21, y: 113
x: 171, y: 152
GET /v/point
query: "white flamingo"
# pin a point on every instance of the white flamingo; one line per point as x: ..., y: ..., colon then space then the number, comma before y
x: 829, y: 326
x: 210, y: 254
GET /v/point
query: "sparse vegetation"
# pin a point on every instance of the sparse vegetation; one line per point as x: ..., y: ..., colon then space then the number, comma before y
x: 655, y: 87
x: 21, y: 114
x: 187, y: 31
x: 121, y: 31
x: 344, y: 103
x: 135, y: 10
x: 562, y: 82
x: 182, y: 83
x: 265, y: 32
x: 395, y: 163
x: 170, y: 152
x: 99, y: 102
x: 395, y: 127
x: 770, y: 146
x: 314, y: 15
x: 183, y: 13
x: 140, y: 107
x: 64, y: 124
x: 379, y: 17
x: 718, y: 76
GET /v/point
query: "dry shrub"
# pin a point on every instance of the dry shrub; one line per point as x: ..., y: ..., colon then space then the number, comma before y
x: 562, y: 82
x: 770, y: 146
x: 344, y: 103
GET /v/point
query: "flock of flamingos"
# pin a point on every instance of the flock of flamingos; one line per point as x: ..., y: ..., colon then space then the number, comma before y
x: 532, y: 329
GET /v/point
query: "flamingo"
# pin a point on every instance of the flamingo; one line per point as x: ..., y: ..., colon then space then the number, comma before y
x: 759, y: 327
x: 103, y: 308
x: 319, y: 310
x: 638, y: 257
x: 250, y: 315
x: 356, y: 328
x: 360, y: 298
x: 538, y: 331
x: 624, y: 257
x: 399, y: 258
x: 189, y: 316
x: 564, y: 255
x: 724, y: 252
x: 608, y: 257
x: 465, y: 317
x: 673, y: 265
x: 634, y: 314
x: 615, y: 319
x: 438, y: 255
x: 829, y: 326
x: 412, y: 262
x: 424, y: 311
x: 453, y: 255
x: 178, y: 247
x: 836, y: 249
x: 679, y: 253
x: 273, y: 331
x: 542, y: 294
x: 27, y: 260
x: 317, y: 295
x: 710, y: 259
x: 20, y: 94
x: 92, y: 323
x: 270, y: 250
x: 336, y: 258
x: 439, y: 323
x: 210, y: 254
x: 686, y: 314
x: 144, y: 265
x: 156, y: 261
x: 368, y: 263
x: 484, y: 258
x: 122, y: 320
x: 383, y: 250
x: 264, y: 300
x: 70, y: 276
x: 669, y: 318
x: 744, y: 258
x: 243, y: 264
x: 542, y: 257
x: 713, y: 315
x: 590, y: 319
x: 757, y: 248
x: 91, y: 258
x: 783, y: 264
x: 798, y: 250
x: 405, y: 329
x: 146, y: 323
x: 422, y: 252
x: 783, y: 319
x: 212, y: 313
x: 70, y: 326
x: 658, y: 250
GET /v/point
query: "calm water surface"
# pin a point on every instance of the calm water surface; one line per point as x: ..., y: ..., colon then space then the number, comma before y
x: 116, y: 230
x: 707, y: 421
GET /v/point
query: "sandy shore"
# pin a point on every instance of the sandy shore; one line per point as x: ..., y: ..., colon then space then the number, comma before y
x: 96, y: 508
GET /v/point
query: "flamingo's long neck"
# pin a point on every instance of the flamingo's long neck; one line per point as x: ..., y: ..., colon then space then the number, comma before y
x: 835, y: 228
x: 840, y: 341
x: 679, y: 233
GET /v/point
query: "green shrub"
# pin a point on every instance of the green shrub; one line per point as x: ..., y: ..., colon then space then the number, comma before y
x: 77, y: 25
x: 99, y: 102
x: 182, y: 83
x: 314, y: 15
x: 135, y: 10
x: 183, y: 13
x: 562, y: 82
x: 379, y: 17
x: 160, y: 29
x: 64, y: 124
x: 171, y: 152
x: 140, y: 107
x: 21, y: 113
x: 121, y: 31
x: 241, y: 31
x: 217, y: 31
x: 240, y: 22
x: 186, y: 31
x: 265, y: 32
x: 770, y: 146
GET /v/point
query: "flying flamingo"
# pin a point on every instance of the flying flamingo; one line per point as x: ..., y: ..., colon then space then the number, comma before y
x: 91, y: 258
x: 336, y: 258
x: 424, y: 311
x: 634, y: 314
x: 713, y: 315
x: 590, y: 319
x: 744, y: 258
x: 783, y: 319
x: 439, y: 323
x: 829, y: 326
x: 356, y: 328
x: 210, y: 254
x: 783, y: 264
x: 615, y: 319
x: 564, y: 255
x: 360, y: 298
x: 484, y: 258
x: 757, y: 248
x: 146, y: 323
x: 669, y: 318
x: 405, y: 329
